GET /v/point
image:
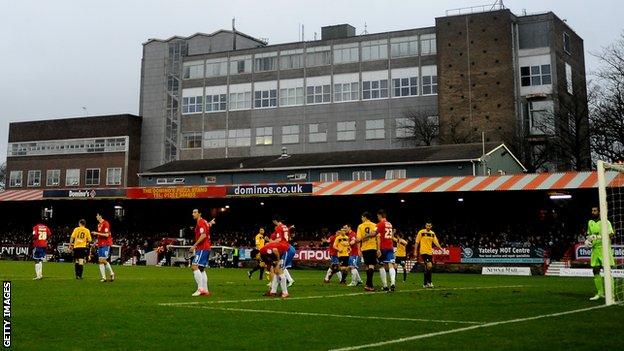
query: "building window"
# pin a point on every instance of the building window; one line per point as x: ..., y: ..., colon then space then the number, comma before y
x: 216, y: 102
x: 192, y: 104
x: 535, y: 75
x: 68, y: 146
x: 264, y: 136
x: 92, y: 176
x: 404, y: 128
x: 240, y: 65
x: 265, y: 98
x: 568, y: 77
x: 318, y: 94
x: 193, y: 70
x: 265, y: 62
x: 429, y: 85
x: 404, y: 86
x: 290, y: 134
x: 291, y: 96
x: 113, y: 176
x: 240, y: 101
x: 53, y: 177
x: 374, y: 89
x: 566, y: 43
x: 214, y: 139
x: 239, y: 137
x: 541, y: 119
x: 317, y: 132
x: 346, y: 91
x: 328, y: 177
x: 192, y: 140
x: 216, y: 67
x: 318, y: 56
x: 346, y: 131
x: 34, y: 178
x: 346, y: 53
x: 72, y: 177
x: 402, y: 47
x: 375, y: 129
x: 291, y: 59
x: 374, y: 50
x: 395, y: 174
x: 361, y: 175
x: 428, y: 44
x: 15, y: 179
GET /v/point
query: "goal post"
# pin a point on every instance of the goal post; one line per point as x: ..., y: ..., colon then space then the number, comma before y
x: 610, y: 206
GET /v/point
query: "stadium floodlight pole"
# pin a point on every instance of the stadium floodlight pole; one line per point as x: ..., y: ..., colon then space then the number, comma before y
x: 604, y: 232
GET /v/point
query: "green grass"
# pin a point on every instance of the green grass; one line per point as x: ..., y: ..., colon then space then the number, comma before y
x: 61, y: 313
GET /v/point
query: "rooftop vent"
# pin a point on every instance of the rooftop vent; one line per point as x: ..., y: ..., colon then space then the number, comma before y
x: 338, y: 31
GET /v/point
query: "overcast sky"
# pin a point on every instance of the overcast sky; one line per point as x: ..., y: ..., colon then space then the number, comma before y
x: 60, y: 56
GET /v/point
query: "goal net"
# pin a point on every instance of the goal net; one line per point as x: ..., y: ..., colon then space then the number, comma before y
x: 611, y: 199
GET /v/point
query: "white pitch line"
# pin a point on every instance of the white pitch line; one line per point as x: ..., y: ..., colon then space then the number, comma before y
x: 330, y: 315
x: 337, y: 295
x: 473, y: 327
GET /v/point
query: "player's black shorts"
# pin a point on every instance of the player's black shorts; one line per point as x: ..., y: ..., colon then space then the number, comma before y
x: 427, y: 258
x: 344, y: 261
x: 399, y: 260
x: 370, y: 257
x: 80, y: 252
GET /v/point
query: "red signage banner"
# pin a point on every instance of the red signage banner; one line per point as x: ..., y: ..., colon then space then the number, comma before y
x: 451, y: 254
x: 185, y: 192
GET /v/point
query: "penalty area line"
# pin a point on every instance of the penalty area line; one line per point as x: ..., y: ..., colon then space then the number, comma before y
x: 403, y: 319
x: 473, y: 327
x: 339, y: 295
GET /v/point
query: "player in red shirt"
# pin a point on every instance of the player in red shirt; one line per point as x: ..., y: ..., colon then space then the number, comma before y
x: 41, y: 233
x: 333, y: 260
x: 386, y: 250
x: 201, y: 248
x: 104, y: 242
x: 282, y: 234
x: 271, y: 254
x: 354, y: 256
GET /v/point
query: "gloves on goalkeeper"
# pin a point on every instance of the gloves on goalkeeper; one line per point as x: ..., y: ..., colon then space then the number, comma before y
x: 589, y: 242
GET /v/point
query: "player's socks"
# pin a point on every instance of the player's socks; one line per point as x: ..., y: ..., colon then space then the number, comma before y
x: 355, y: 276
x: 261, y: 273
x: 369, y: 277
x: 39, y: 269
x: 382, y: 275
x: 110, y: 269
x: 343, y: 277
x: 404, y: 272
x: 76, y: 269
x: 204, y: 281
x: 80, y: 270
x: 103, y: 271
x: 328, y: 274
x: 274, y: 284
x: 392, y: 275
x: 287, y: 275
x: 283, y: 284
x: 198, y: 278
x: 339, y: 275
x: 598, y: 281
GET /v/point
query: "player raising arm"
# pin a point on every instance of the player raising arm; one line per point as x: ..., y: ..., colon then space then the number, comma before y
x: 41, y: 234
x: 425, y: 240
x: 369, y: 243
x: 104, y: 242
x: 79, y: 244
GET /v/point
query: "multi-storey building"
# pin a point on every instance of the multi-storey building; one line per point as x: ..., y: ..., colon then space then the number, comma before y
x: 84, y: 152
x: 490, y: 74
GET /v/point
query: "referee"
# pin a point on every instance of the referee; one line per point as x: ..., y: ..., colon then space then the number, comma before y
x: 79, y: 244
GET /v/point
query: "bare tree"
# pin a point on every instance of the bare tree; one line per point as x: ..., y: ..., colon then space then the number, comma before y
x: 419, y: 127
x: 3, y: 174
x: 607, y: 115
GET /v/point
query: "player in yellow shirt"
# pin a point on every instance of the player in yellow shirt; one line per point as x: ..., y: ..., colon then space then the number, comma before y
x: 343, y: 247
x: 260, y: 240
x: 425, y: 240
x: 369, y: 241
x: 401, y: 253
x: 79, y: 244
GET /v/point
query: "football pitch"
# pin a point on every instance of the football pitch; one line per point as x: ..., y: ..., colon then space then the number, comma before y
x: 151, y: 308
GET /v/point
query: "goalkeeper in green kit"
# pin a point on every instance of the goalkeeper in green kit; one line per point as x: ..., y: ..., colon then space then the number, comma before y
x: 594, y: 240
